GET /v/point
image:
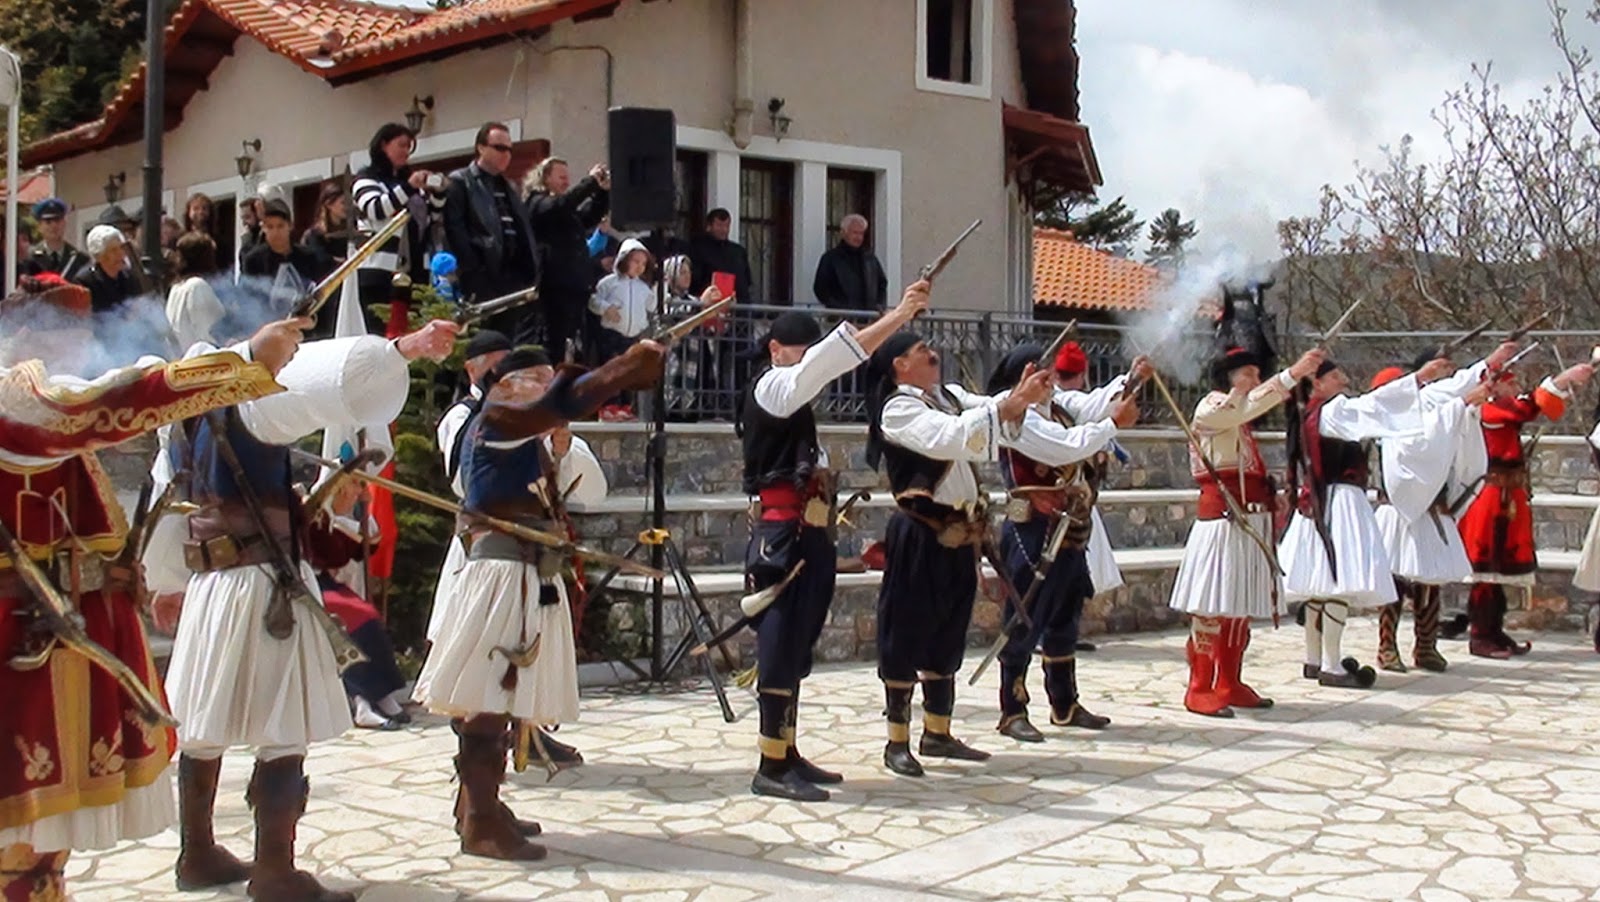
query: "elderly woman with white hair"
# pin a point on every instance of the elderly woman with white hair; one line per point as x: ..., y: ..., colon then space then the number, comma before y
x: 109, y: 281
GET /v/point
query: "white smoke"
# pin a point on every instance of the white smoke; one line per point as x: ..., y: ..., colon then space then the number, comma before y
x: 69, y: 345
x: 1175, y: 331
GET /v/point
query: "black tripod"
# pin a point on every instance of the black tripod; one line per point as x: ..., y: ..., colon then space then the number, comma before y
x: 665, y: 556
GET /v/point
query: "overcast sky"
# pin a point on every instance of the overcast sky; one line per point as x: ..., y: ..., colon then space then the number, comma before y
x: 1237, y: 111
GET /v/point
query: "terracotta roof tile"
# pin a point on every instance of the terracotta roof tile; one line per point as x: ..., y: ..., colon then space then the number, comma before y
x: 1067, y: 273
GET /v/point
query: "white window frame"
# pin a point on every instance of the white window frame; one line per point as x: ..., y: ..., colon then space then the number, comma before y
x: 982, y: 54
x: 811, y: 160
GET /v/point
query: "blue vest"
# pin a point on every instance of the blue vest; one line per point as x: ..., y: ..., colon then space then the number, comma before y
x: 211, y: 479
x: 496, y: 479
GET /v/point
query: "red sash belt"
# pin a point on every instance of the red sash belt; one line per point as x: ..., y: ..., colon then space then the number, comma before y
x: 782, y: 502
x: 1257, y: 495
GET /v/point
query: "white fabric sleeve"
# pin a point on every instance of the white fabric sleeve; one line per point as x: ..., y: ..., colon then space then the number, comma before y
x: 1090, y: 406
x: 1416, y: 468
x: 355, y: 382
x: 1391, y: 411
x: 1594, y: 436
x: 1455, y: 385
x: 783, y: 390
x: 580, y: 466
x: 450, y: 425
x: 1053, y: 444
x: 1549, y: 385
x: 1221, y: 411
x: 972, y: 434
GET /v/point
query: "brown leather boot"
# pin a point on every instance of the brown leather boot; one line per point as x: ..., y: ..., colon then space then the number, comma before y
x: 277, y: 794
x: 487, y: 828
x: 202, y: 863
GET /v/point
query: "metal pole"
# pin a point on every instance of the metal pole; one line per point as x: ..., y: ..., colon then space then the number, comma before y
x: 13, y: 122
x: 658, y: 502
x: 155, y: 122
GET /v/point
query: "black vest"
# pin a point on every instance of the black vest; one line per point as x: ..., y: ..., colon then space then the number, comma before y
x: 908, y: 470
x: 777, y: 449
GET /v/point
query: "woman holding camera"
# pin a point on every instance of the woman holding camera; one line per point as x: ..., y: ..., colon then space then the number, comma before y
x: 384, y: 187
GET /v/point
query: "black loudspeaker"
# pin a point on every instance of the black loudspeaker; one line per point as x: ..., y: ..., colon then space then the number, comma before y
x: 644, y: 150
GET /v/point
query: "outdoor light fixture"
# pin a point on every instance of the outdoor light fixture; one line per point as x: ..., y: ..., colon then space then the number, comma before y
x: 418, y: 114
x: 246, y: 161
x: 780, y: 122
x: 113, y: 186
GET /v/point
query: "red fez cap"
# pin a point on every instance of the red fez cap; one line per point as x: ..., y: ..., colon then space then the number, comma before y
x: 1386, y: 375
x: 1070, y: 360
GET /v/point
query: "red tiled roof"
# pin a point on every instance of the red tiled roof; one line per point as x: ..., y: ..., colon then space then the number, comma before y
x: 1067, y: 273
x: 336, y: 40
x: 35, y: 187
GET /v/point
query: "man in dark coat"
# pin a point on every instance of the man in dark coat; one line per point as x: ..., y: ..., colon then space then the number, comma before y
x: 486, y: 226
x: 849, y: 277
x: 562, y: 216
x: 711, y: 252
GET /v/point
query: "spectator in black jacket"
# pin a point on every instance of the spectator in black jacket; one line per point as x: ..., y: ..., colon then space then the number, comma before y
x: 108, y: 279
x: 486, y: 227
x: 329, y: 237
x: 562, y: 216
x: 711, y: 252
x: 276, y: 249
x: 849, y: 277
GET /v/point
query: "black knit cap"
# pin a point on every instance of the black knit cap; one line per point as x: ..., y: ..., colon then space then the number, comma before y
x: 1228, y: 361
x: 794, y: 329
x: 1326, y: 366
x: 1009, y: 372
x: 524, y: 358
x: 880, y: 385
x: 487, y: 341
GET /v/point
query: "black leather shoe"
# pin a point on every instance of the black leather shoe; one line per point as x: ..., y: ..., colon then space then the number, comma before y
x: 1310, y: 671
x: 810, y: 772
x: 560, y: 753
x: 943, y: 745
x: 1083, y: 646
x: 1355, y: 676
x: 1020, y: 729
x: 1079, y: 716
x: 790, y: 786
x: 897, y: 757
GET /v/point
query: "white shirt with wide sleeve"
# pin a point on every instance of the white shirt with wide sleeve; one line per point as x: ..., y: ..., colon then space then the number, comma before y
x: 783, y: 390
x: 918, y: 422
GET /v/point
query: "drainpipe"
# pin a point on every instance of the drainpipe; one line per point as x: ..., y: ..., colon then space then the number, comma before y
x: 741, y: 125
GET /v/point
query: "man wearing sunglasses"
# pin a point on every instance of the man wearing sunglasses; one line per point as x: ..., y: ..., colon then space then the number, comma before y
x: 484, y: 224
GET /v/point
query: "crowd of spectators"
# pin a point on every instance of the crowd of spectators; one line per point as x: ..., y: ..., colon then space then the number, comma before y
x: 473, y: 234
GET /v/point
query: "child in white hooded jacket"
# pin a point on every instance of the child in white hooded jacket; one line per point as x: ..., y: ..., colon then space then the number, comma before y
x: 623, y: 301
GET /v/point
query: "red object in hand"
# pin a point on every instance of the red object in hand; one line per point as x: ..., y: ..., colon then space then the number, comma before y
x: 724, y: 282
x: 399, y: 320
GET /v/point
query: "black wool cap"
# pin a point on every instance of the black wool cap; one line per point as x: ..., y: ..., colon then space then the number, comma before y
x: 487, y: 341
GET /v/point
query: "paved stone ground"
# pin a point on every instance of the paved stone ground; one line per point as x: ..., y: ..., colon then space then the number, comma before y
x: 1480, y: 783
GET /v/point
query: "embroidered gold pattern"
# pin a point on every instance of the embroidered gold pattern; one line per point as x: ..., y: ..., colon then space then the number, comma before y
x: 27, y: 396
x: 37, y: 764
x: 106, y: 757
x: 149, y: 735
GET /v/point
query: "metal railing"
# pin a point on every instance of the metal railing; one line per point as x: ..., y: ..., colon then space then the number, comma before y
x: 709, y: 370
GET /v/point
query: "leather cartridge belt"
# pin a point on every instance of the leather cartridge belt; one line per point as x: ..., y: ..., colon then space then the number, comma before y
x: 87, y: 571
x: 784, y: 501
x: 1212, y: 506
x: 1512, y: 476
x: 497, y: 546
x: 228, y: 552
x: 223, y: 535
x: 952, y: 528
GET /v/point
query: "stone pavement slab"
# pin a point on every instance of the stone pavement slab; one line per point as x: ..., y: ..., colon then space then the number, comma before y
x: 1479, y: 783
